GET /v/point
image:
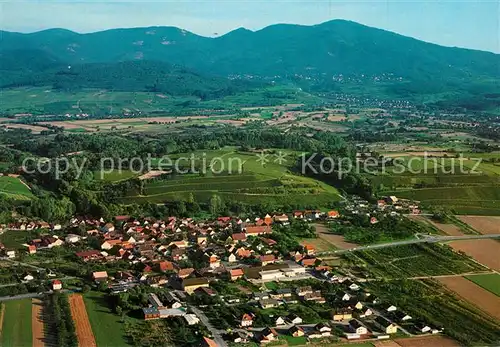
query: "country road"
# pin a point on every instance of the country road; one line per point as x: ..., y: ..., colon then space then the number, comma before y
x: 215, y: 332
x: 427, y: 239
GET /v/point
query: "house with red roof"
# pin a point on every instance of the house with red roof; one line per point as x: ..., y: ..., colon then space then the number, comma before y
x: 236, y: 274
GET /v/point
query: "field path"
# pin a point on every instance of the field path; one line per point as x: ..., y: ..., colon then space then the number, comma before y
x: 37, y: 325
x: 476, y: 295
x: 84, y: 332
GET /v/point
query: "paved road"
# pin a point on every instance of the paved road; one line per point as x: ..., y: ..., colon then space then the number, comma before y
x: 21, y: 296
x: 215, y: 332
x: 428, y: 239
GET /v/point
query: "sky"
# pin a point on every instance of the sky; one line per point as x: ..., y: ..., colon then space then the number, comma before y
x: 469, y: 24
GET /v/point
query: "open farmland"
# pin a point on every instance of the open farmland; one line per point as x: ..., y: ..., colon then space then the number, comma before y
x: 14, y: 188
x: 490, y: 282
x: 468, y: 290
x: 483, y: 224
x: 338, y: 241
x: 427, y: 341
x: 416, y: 260
x: 79, y: 313
x: 106, y: 325
x: 484, y: 251
x: 37, y: 323
x: 239, y: 177
x: 16, y: 328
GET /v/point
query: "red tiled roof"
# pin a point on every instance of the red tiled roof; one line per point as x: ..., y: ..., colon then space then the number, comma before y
x: 239, y: 237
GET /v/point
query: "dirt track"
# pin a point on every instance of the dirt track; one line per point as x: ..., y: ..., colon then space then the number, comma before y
x: 37, y: 327
x: 84, y: 332
x: 468, y: 290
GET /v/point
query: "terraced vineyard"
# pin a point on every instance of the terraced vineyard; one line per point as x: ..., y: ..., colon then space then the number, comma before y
x: 246, y: 180
x: 475, y: 192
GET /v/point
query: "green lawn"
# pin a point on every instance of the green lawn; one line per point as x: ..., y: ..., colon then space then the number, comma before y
x: 13, y: 187
x: 106, y: 326
x: 490, y: 282
x: 295, y: 341
x: 16, y: 329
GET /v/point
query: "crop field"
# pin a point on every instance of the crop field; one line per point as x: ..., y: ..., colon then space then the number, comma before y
x: 106, y: 326
x: 483, y: 224
x: 114, y: 176
x: 435, y: 341
x: 490, y: 282
x: 37, y: 323
x: 484, y: 251
x: 17, y: 320
x: 471, y: 292
x: 337, y: 241
x: 239, y: 177
x: 416, y: 260
x: 84, y: 332
x: 14, y: 188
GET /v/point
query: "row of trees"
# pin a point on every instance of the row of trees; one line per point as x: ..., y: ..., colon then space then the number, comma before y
x: 61, y: 323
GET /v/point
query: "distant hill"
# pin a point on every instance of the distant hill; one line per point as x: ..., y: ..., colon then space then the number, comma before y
x: 310, y: 54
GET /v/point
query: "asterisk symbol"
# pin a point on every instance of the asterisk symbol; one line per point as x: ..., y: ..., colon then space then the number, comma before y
x: 262, y: 158
x: 280, y: 158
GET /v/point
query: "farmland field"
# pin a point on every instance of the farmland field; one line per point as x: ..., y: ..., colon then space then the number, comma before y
x: 484, y: 251
x: 416, y: 260
x: 483, y: 224
x: 13, y: 187
x: 16, y: 329
x: 337, y: 241
x: 238, y: 177
x: 37, y: 323
x: 107, y: 328
x: 434, y: 341
x: 84, y: 332
x: 489, y: 282
x: 114, y: 176
x: 468, y: 290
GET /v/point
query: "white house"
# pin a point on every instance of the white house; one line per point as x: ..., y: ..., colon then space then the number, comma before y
x: 191, y: 319
x: 391, y: 308
x: 346, y: 297
x: 280, y: 321
x: 72, y: 238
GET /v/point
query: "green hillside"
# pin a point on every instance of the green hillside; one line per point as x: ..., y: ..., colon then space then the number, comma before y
x: 371, y: 61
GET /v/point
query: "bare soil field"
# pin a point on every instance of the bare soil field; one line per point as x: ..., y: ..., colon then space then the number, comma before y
x: 386, y: 343
x: 468, y: 290
x: 37, y: 327
x: 427, y: 341
x: 84, y: 332
x: 483, y: 224
x: 152, y: 174
x: 448, y: 229
x: 484, y: 251
x: 336, y: 240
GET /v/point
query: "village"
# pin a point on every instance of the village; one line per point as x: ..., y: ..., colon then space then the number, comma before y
x: 234, y: 276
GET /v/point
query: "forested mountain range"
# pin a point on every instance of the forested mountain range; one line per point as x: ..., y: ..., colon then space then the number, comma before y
x: 308, y: 55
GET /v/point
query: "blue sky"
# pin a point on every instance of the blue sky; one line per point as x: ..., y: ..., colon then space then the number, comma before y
x: 471, y: 24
